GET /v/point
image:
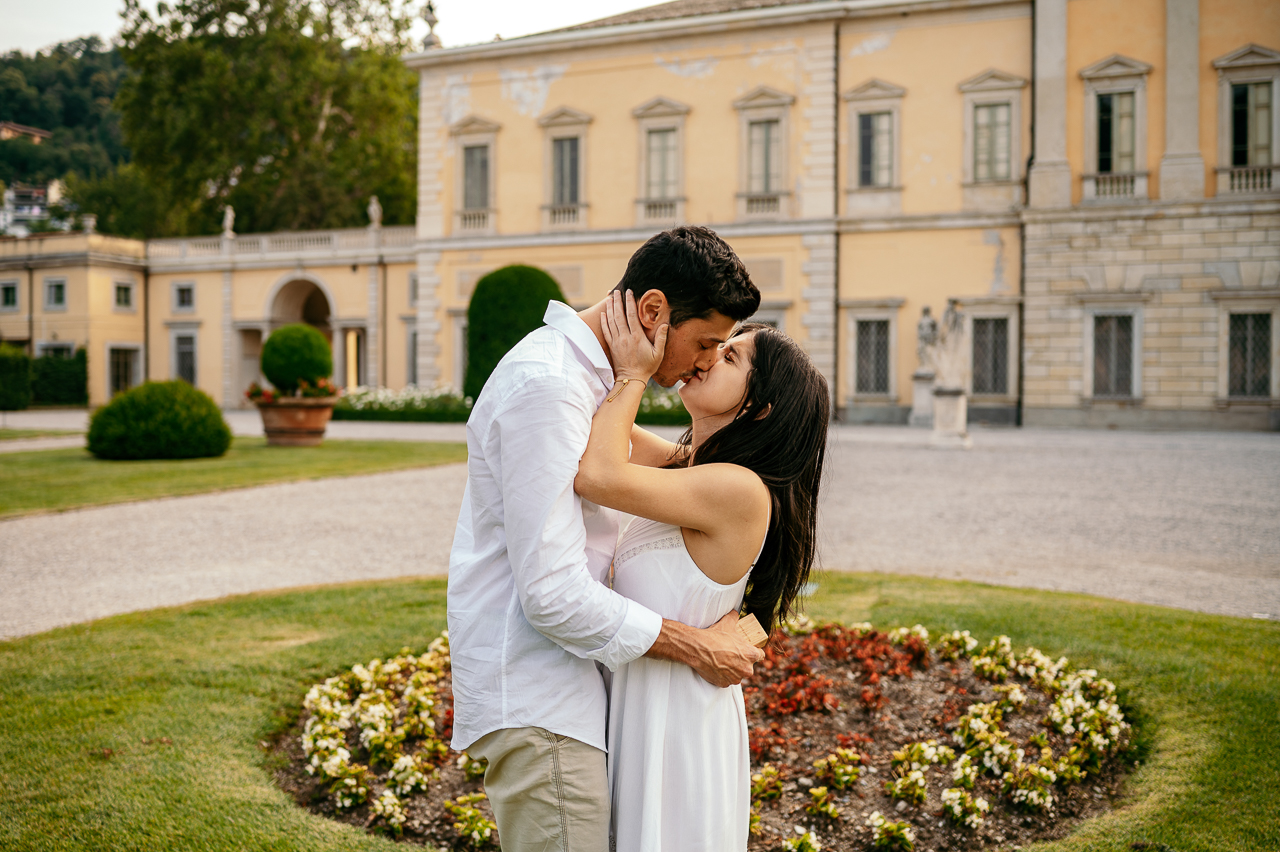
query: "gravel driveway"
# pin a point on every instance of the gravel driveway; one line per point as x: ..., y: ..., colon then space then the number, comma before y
x: 1179, y: 519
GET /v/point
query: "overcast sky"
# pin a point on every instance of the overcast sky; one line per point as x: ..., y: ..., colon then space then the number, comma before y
x: 30, y: 25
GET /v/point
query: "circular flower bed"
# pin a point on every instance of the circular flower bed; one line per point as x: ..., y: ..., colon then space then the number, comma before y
x: 859, y: 740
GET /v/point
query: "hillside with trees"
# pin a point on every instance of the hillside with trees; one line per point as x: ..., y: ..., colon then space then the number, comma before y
x: 293, y: 112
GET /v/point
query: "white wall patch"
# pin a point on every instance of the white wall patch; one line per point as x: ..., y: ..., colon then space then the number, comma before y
x: 528, y: 90
x: 872, y: 44
x: 457, y: 98
x: 693, y: 68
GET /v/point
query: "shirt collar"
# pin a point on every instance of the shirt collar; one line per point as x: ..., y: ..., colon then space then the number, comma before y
x: 565, y: 320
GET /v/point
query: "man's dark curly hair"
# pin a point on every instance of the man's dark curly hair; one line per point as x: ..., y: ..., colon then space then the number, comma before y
x: 697, y: 272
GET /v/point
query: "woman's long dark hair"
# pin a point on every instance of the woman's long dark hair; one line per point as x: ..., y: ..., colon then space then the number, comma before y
x: 780, y: 434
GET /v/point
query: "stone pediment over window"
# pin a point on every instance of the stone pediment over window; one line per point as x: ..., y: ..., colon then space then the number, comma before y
x: 763, y: 96
x: 564, y: 117
x: 873, y: 90
x: 993, y: 80
x: 1115, y: 65
x: 1249, y: 56
x: 659, y: 107
x: 474, y: 124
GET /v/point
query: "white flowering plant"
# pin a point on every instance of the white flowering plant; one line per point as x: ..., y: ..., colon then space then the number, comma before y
x: 888, y: 834
x: 821, y: 804
x: 963, y: 808
x: 839, y: 769
x: 920, y: 756
x: 767, y: 783
x: 476, y: 830
x: 804, y: 841
x: 1030, y: 786
x: 441, y: 404
x: 910, y: 786
x: 955, y: 645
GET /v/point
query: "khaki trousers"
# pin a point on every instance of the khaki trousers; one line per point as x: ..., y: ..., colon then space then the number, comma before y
x: 549, y: 793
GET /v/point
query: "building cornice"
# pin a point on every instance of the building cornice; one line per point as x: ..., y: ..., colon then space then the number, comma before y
x: 1154, y: 209
x: 928, y: 222
x: 774, y: 16
x: 72, y: 258
x: 728, y: 230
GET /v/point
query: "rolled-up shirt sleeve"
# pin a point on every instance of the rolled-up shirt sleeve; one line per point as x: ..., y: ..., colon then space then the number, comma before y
x: 540, y: 435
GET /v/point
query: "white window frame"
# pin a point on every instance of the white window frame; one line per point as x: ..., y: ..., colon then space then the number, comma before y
x: 411, y: 349
x: 992, y: 307
x: 43, y: 347
x: 177, y: 330
x: 874, y: 96
x: 871, y: 309
x: 413, y: 294
x: 49, y: 307
x: 137, y: 364
x: 474, y: 131
x: 1249, y: 64
x: 764, y: 104
x: 1110, y: 304
x: 992, y: 88
x: 659, y: 114
x: 564, y: 123
x: 132, y: 307
x: 16, y: 307
x: 1115, y: 75
x: 175, y: 305
x: 1246, y: 302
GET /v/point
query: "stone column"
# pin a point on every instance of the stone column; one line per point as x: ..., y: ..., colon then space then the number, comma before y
x: 1182, y: 166
x: 1050, y: 177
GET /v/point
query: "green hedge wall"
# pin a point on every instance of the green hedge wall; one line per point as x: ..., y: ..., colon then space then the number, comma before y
x: 15, y: 379
x: 507, y: 304
x: 60, y: 381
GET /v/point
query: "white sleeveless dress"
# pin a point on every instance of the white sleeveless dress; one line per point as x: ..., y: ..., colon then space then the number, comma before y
x: 679, y: 763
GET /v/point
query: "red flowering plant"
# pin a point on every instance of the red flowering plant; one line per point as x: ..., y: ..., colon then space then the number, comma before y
x: 313, y: 390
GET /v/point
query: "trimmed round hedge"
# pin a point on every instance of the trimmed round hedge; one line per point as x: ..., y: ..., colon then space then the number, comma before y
x: 507, y: 304
x: 159, y: 420
x: 296, y: 353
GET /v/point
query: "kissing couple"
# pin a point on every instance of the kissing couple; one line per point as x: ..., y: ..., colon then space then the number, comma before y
x: 600, y: 676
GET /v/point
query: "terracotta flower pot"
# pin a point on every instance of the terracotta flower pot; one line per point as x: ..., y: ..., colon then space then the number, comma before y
x: 296, y: 421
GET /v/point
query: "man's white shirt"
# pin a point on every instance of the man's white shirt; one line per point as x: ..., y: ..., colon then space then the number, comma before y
x: 529, y: 614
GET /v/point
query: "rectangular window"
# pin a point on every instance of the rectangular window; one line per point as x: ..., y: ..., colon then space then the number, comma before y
x: 873, y: 356
x: 1115, y: 133
x: 564, y: 155
x: 475, y: 174
x: 184, y: 350
x: 56, y: 350
x: 55, y: 294
x: 9, y: 297
x: 764, y: 143
x: 875, y: 149
x: 991, y: 355
x: 124, y: 295
x: 413, y: 289
x: 662, y: 164
x: 1251, y: 124
x: 184, y: 297
x: 1113, y: 355
x: 122, y: 364
x: 1249, y: 355
x: 991, y: 142
x: 412, y: 373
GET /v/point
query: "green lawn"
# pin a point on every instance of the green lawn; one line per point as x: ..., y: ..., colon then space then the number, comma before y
x: 219, y: 678
x: 18, y: 434
x: 83, y: 480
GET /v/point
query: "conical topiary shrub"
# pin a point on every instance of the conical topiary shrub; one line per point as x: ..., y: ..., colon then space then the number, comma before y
x: 507, y: 304
x: 296, y: 353
x: 159, y: 420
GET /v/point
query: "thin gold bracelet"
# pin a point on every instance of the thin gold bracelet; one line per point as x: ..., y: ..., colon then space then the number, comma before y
x: 624, y: 382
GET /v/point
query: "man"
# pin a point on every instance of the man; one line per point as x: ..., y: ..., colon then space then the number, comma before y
x: 529, y: 615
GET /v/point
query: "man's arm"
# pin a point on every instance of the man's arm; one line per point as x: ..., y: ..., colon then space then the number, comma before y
x: 719, y: 654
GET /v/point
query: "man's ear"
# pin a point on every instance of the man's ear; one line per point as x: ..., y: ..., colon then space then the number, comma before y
x: 653, y: 311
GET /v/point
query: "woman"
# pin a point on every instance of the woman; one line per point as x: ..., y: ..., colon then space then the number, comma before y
x: 725, y: 521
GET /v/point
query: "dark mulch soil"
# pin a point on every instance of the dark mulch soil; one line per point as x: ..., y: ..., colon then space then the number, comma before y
x: 812, y: 695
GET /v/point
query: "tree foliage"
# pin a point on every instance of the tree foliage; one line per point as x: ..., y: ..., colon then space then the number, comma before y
x: 292, y: 112
x: 507, y: 304
x: 67, y: 90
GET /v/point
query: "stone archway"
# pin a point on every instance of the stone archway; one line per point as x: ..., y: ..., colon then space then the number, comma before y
x: 302, y: 301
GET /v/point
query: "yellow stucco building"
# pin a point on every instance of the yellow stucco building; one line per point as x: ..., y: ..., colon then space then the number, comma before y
x: 1093, y: 182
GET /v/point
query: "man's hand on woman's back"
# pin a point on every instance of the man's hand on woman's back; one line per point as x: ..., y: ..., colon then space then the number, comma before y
x: 720, y: 654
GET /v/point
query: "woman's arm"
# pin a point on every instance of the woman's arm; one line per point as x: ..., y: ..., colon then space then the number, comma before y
x: 650, y: 450
x: 714, y: 499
